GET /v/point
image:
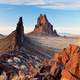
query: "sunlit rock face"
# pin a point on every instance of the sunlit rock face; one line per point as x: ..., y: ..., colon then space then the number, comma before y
x: 68, y: 60
x: 44, y: 27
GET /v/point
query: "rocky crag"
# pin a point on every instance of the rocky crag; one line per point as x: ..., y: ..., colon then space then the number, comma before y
x: 21, y: 59
x: 14, y: 40
x: 66, y: 63
x: 44, y: 27
x: 19, y: 33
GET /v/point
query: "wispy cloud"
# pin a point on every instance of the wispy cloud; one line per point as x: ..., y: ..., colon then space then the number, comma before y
x: 61, y: 5
x: 25, y: 2
x: 53, y: 4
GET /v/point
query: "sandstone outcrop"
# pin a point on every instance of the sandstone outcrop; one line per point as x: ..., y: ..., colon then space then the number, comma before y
x: 44, y: 27
x: 68, y: 61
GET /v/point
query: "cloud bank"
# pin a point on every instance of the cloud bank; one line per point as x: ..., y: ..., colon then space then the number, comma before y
x: 52, y: 4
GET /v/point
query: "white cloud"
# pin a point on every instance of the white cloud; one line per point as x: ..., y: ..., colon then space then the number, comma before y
x: 25, y: 2
x: 62, y: 5
x: 53, y: 4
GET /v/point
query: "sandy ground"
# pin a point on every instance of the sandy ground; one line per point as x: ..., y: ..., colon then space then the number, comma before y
x: 56, y: 42
x: 53, y: 44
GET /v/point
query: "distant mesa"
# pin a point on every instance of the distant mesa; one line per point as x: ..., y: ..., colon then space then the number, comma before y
x: 43, y: 27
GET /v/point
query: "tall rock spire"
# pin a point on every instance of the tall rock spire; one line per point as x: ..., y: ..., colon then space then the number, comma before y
x: 19, y: 33
x: 14, y: 40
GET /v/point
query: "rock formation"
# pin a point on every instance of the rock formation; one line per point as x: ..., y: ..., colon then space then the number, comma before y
x: 10, y: 70
x: 16, y: 50
x: 14, y: 40
x: 68, y: 61
x: 19, y: 33
x: 44, y: 27
x: 19, y: 52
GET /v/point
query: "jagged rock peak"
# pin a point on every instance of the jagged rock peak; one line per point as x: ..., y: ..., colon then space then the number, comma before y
x: 19, y: 33
x: 43, y: 26
x: 15, y: 39
x: 41, y: 20
x: 20, y: 27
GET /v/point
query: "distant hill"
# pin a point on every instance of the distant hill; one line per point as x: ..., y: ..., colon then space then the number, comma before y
x: 1, y: 36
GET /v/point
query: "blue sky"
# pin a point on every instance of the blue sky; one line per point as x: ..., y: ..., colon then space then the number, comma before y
x: 63, y: 14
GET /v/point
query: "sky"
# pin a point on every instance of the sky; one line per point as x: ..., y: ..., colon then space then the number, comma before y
x: 63, y: 14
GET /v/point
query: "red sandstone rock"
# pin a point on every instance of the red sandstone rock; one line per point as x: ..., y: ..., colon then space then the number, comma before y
x: 43, y: 26
x: 70, y: 58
